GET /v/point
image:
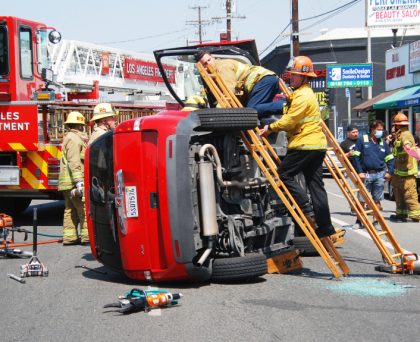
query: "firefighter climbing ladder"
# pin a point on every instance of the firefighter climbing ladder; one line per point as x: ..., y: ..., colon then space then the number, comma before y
x: 400, y: 261
x: 266, y: 158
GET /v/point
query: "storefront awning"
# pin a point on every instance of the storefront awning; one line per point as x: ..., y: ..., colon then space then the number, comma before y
x: 404, y: 98
x: 368, y: 105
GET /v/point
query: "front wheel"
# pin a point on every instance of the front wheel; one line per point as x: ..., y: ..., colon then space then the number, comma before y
x: 239, y: 268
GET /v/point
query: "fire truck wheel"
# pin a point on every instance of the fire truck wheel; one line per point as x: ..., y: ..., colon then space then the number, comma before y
x: 222, y: 119
x: 239, y: 268
x: 13, y: 206
x: 305, y: 246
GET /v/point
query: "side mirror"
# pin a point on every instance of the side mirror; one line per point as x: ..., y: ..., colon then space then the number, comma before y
x: 54, y: 37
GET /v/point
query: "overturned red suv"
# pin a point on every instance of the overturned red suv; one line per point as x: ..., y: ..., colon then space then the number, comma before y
x: 177, y: 195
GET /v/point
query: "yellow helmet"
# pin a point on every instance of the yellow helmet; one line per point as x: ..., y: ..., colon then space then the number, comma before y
x: 75, y: 118
x: 103, y: 110
x: 195, y: 102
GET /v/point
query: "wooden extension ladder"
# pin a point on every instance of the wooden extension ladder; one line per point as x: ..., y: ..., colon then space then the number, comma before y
x: 399, y: 260
x: 267, y: 160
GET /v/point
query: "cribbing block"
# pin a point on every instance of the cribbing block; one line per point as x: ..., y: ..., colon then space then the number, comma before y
x: 285, y: 262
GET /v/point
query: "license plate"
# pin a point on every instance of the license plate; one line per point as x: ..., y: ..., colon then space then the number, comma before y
x: 131, y: 201
x: 9, y: 175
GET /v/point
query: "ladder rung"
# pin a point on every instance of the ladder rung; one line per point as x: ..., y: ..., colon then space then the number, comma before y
x: 396, y: 255
x: 342, y: 169
x: 355, y: 190
x: 367, y: 212
x: 382, y: 233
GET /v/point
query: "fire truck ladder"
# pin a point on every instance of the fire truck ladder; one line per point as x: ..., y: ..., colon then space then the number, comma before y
x: 267, y: 160
x: 399, y: 261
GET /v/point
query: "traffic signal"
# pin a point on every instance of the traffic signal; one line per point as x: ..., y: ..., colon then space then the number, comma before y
x: 359, y: 94
x: 327, y: 96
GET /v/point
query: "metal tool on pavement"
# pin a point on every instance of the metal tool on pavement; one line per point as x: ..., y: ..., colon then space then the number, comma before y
x: 144, y: 300
x: 14, y: 277
x: 34, y: 267
x: 91, y: 269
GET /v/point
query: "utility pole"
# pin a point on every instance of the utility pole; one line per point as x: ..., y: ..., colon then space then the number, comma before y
x: 228, y: 19
x: 200, y: 22
x: 295, y: 28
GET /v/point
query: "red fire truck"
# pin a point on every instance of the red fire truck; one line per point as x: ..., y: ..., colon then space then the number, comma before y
x: 42, y: 79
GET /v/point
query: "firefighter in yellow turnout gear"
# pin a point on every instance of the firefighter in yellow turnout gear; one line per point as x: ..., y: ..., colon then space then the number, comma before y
x: 105, y: 118
x: 306, y: 148
x: 404, y: 179
x: 254, y: 85
x: 70, y: 181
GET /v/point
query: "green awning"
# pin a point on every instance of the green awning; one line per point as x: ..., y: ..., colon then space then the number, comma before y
x: 400, y: 99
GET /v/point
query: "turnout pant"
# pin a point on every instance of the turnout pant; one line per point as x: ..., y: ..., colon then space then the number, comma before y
x: 406, y: 198
x: 261, y: 97
x: 74, y: 214
x: 309, y: 162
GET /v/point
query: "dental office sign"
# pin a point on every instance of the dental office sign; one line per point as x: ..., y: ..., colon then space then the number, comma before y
x: 392, y: 13
x: 349, y: 75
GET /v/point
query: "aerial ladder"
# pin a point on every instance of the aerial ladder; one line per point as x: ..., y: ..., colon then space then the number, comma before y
x: 267, y: 160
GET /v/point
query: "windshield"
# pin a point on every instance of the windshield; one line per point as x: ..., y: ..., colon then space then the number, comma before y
x: 188, y: 82
x: 4, y: 60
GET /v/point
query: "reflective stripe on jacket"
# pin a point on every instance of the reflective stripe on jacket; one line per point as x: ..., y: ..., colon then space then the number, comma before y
x: 302, y: 121
x: 239, y: 76
x: 73, y: 155
x: 405, y: 165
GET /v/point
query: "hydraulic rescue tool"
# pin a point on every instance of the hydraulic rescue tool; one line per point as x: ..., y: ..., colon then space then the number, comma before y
x: 6, y: 246
x: 34, y: 267
x: 144, y: 300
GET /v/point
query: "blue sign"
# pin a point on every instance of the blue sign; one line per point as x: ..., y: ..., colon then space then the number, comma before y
x: 347, y: 92
x: 349, y: 75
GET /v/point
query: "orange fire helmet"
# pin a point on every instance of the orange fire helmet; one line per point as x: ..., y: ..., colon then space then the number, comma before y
x: 401, y: 120
x: 301, y: 65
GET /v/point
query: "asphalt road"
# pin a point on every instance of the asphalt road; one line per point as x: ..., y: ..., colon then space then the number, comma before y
x: 304, y: 306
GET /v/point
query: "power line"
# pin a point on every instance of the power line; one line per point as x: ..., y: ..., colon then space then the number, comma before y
x: 331, y: 12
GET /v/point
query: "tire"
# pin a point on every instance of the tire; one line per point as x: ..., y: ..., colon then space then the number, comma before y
x: 13, y: 206
x: 305, y: 246
x: 227, y: 119
x: 239, y: 268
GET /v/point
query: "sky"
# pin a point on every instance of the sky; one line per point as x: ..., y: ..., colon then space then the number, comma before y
x: 145, y: 26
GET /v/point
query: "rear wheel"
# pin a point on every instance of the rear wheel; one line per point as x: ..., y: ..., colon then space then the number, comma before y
x: 14, y: 206
x: 223, y: 119
x: 239, y: 268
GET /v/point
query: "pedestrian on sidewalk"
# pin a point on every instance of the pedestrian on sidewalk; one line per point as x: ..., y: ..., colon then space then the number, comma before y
x: 349, y: 144
x: 307, y: 146
x: 374, y: 163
